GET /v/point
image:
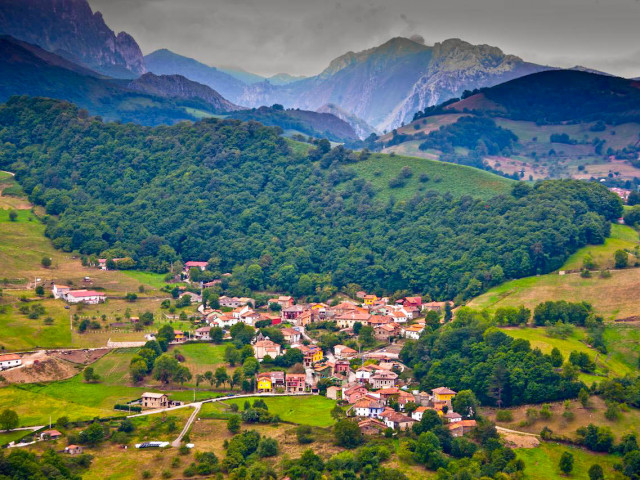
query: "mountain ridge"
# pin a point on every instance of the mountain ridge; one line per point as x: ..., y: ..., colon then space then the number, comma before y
x: 70, y: 29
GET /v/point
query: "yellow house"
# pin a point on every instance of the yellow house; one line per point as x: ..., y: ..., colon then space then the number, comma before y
x: 318, y: 356
x: 370, y: 299
x: 443, y: 394
x: 179, y: 336
x: 264, y: 383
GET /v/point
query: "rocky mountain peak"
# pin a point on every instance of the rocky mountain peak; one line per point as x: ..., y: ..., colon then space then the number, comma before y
x: 71, y: 29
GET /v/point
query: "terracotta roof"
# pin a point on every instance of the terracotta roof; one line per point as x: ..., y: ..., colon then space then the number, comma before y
x: 153, y: 395
x: 85, y: 293
x: 51, y: 433
x: 443, y: 391
x: 195, y: 264
x: 8, y: 357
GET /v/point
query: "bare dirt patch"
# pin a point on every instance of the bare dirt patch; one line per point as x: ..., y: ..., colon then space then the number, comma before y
x: 83, y: 357
x: 516, y: 440
x: 47, y: 370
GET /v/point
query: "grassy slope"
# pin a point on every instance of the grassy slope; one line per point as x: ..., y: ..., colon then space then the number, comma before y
x: 443, y: 177
x: 541, y: 463
x: 617, y: 362
x: 308, y: 410
x: 615, y: 297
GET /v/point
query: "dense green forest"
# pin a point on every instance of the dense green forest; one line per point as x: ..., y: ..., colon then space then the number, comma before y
x: 567, y: 95
x: 470, y: 354
x: 279, y: 215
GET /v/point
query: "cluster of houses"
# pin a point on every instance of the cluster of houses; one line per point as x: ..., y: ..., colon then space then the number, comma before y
x: 373, y: 407
x: 65, y: 293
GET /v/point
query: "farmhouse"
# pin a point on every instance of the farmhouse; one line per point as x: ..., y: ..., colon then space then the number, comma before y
x: 90, y: 297
x: 262, y: 348
x: 9, y: 360
x: 59, y: 291
x: 371, y: 426
x: 73, y: 449
x: 154, y: 400
x: 203, y: 333
x: 50, y: 435
x: 189, y: 265
x: 458, y: 429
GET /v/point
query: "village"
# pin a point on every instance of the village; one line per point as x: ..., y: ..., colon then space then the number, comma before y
x: 365, y: 377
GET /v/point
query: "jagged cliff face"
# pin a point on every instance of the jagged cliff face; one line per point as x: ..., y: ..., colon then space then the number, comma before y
x: 386, y: 85
x: 457, y: 66
x: 70, y: 29
x: 177, y: 86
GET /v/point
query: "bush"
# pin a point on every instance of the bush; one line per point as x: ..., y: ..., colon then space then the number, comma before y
x: 304, y: 434
x: 268, y: 447
x: 504, y: 416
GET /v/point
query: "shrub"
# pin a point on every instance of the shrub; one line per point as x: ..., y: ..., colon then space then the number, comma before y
x: 504, y: 416
x: 304, y: 434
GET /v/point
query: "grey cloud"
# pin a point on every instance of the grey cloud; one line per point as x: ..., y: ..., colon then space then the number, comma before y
x: 303, y: 36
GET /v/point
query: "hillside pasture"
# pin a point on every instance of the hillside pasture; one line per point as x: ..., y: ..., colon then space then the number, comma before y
x: 541, y: 463
x: 311, y: 410
x: 441, y: 177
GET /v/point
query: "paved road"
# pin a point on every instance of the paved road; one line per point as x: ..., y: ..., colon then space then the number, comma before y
x: 198, y: 405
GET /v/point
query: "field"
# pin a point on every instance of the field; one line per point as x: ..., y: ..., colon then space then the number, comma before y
x: 616, y: 363
x: 202, y: 357
x: 311, y: 410
x: 614, y: 297
x: 541, y: 463
x: 442, y: 177
x: 622, y: 238
x: 578, y: 160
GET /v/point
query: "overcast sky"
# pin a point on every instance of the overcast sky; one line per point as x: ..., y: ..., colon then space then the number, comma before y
x: 301, y: 37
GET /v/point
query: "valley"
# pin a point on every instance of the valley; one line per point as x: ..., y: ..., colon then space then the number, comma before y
x: 303, y: 251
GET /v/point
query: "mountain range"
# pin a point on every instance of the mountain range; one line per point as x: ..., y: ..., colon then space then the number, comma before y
x: 375, y: 90
x: 70, y: 29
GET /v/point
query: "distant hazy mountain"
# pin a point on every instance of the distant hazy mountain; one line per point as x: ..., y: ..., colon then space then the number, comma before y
x: 29, y: 70
x: 177, y: 86
x: 242, y: 75
x: 165, y: 62
x: 284, y: 79
x: 301, y: 121
x: 362, y: 128
x: 386, y: 85
x: 70, y: 29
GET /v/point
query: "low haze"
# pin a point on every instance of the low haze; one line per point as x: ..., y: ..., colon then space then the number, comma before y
x: 300, y: 37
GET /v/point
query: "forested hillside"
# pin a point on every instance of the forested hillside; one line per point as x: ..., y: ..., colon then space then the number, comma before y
x: 238, y: 195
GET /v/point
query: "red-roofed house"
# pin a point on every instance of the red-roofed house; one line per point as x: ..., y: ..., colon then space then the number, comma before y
x: 189, y: 265
x: 10, y: 360
x: 90, y: 297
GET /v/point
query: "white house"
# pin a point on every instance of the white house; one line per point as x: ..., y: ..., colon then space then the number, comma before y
x: 203, y: 333
x: 9, y: 360
x: 59, y: 291
x: 90, y: 297
x: 368, y: 407
x: 414, y: 331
